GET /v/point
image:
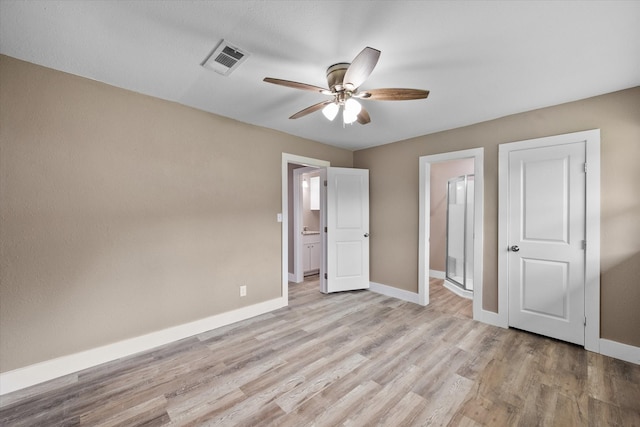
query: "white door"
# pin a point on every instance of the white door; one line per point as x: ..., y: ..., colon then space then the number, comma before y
x: 546, y: 232
x: 346, y: 264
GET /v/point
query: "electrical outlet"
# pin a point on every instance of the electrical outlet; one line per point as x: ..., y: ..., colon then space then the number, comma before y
x: 243, y: 291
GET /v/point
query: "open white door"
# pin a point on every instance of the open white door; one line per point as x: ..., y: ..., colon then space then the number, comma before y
x: 347, y: 230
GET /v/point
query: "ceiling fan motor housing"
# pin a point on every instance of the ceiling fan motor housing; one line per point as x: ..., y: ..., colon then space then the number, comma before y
x: 335, y: 75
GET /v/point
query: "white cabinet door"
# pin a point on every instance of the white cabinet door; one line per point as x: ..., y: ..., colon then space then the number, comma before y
x: 311, y: 252
x: 347, y: 222
x: 306, y: 258
x: 315, y: 255
x: 546, y: 232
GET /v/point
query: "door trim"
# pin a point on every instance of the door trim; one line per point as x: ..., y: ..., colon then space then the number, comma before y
x: 424, y: 227
x: 592, y: 232
x: 299, y: 160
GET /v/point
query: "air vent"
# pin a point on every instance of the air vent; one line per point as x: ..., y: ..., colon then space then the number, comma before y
x: 225, y: 58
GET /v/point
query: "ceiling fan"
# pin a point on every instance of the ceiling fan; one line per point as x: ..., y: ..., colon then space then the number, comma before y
x: 344, y: 81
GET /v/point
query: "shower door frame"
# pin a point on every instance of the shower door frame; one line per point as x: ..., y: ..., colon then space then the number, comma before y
x: 465, y: 178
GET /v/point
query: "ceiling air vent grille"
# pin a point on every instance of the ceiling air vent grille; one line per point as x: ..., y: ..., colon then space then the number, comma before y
x: 224, y: 59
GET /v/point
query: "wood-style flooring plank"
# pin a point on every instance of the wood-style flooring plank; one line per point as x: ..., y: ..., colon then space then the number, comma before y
x: 351, y: 358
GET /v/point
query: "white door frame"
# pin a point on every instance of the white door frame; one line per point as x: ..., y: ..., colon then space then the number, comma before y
x: 592, y: 235
x: 299, y: 160
x: 424, y: 227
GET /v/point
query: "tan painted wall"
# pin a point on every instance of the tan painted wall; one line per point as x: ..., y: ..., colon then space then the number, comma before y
x: 394, y: 198
x: 122, y: 214
x: 440, y: 174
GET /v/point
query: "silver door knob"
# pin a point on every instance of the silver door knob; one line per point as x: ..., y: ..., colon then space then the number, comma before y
x: 514, y: 248
x: 366, y: 234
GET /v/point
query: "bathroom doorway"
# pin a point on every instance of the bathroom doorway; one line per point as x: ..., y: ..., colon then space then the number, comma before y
x: 432, y: 235
x: 291, y: 162
x: 307, y: 212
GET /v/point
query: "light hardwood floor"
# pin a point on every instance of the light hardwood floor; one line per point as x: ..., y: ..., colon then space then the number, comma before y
x: 353, y: 358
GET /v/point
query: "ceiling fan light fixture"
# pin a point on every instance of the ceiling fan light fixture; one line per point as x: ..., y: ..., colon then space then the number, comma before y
x: 349, y: 116
x: 351, y: 110
x: 330, y: 111
x: 352, y: 106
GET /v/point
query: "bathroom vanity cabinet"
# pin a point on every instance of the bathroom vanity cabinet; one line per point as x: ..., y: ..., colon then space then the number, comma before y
x: 311, y: 253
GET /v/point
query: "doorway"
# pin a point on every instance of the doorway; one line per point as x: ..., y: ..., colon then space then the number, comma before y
x: 451, y: 216
x: 476, y: 156
x: 344, y: 223
x: 305, y: 252
x: 286, y: 215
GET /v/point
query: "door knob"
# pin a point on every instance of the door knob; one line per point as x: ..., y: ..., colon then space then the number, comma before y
x: 366, y: 234
x: 514, y: 248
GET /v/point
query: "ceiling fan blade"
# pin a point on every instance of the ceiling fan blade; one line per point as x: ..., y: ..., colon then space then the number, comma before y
x: 393, y: 94
x: 296, y: 85
x: 363, y: 117
x: 311, y: 109
x: 361, y: 67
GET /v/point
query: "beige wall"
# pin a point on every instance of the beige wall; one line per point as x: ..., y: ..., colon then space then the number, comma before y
x: 394, y: 198
x: 440, y: 174
x: 122, y: 214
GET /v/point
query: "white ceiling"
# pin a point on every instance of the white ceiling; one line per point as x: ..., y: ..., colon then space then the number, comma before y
x: 480, y: 59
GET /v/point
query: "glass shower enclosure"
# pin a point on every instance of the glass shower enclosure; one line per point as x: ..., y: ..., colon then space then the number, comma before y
x: 459, y: 256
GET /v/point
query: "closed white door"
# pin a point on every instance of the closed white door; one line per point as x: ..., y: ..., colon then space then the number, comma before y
x: 546, y: 232
x: 347, y: 230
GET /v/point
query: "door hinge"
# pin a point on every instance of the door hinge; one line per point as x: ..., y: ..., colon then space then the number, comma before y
x: 585, y: 167
x: 325, y: 229
x: 325, y: 182
x: 585, y: 320
x: 584, y: 244
x: 325, y: 275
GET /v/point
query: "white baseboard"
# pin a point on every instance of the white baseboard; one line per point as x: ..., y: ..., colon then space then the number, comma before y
x: 437, y: 274
x: 292, y: 277
x: 621, y: 351
x: 44, y: 371
x: 390, y: 291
